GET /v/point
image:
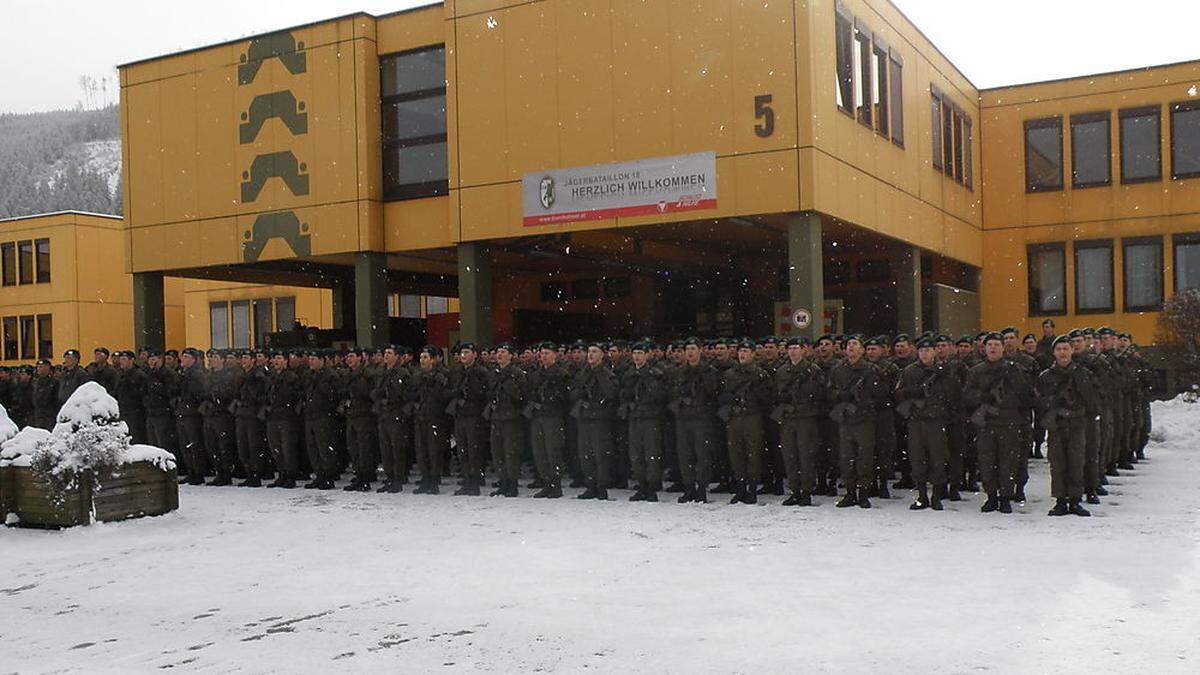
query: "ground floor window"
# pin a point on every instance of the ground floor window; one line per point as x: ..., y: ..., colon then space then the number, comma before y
x: 1143, y: 273
x: 1187, y: 261
x: 1047, y: 279
x: 1093, y: 276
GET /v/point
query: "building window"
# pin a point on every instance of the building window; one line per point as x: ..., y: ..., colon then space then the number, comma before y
x: 1142, y: 266
x: 264, y: 320
x: 1091, y: 150
x: 218, y: 325
x: 241, y: 323
x: 25, y: 258
x: 958, y: 145
x: 844, y: 38
x: 1141, y: 144
x: 1185, y: 140
x: 880, y: 72
x: 553, y: 291
x: 1047, y: 279
x: 43, y: 260
x: 936, y: 132
x: 1043, y: 155
x: 896, y: 89
x: 413, y: 108
x: 10, y: 338
x: 45, y: 336
x: 1093, y: 277
x: 28, y: 341
x: 947, y: 137
x: 410, y: 306
x: 1187, y: 261
x: 862, y: 63
x: 585, y: 289
x: 285, y: 313
x: 437, y: 305
x: 8, y: 260
x: 968, y: 156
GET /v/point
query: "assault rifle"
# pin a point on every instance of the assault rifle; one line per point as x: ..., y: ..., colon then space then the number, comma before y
x: 980, y: 417
x: 844, y: 410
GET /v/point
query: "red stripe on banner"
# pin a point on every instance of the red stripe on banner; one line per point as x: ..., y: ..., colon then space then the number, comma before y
x: 624, y: 211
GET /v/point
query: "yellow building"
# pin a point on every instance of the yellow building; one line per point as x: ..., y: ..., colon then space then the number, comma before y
x: 710, y: 166
x: 62, y: 287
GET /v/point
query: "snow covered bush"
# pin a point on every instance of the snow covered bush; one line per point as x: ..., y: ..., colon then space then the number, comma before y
x: 89, y: 441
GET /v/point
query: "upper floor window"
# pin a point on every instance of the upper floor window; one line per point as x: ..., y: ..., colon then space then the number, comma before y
x: 869, y: 76
x: 1091, y: 150
x: 8, y: 261
x: 43, y: 260
x: 413, y: 100
x: 25, y: 260
x: 1043, y: 154
x: 844, y: 42
x: 1141, y: 144
x: 951, y: 136
x: 1185, y: 140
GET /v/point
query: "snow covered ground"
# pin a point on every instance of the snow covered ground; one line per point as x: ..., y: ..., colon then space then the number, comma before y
x: 298, y: 581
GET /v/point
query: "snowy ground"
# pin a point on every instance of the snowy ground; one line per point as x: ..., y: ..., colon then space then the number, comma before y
x: 264, y: 580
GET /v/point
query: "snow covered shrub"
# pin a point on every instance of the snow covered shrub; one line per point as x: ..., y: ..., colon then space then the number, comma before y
x: 89, y: 442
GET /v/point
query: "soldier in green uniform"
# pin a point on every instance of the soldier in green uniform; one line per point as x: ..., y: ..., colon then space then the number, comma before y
x: 1099, y: 428
x: 471, y: 383
x: 857, y: 392
x: 643, y: 405
x: 1066, y: 398
x: 190, y: 394
x: 366, y: 433
x: 693, y: 395
x: 71, y: 377
x: 505, y: 405
x: 826, y: 359
x: 885, y: 418
x: 45, y: 397
x: 745, y: 394
x: 549, y: 398
x: 998, y: 391
x: 221, y: 387
x: 101, y: 371
x: 928, y: 392
x: 128, y: 389
x: 432, y: 428
x: 249, y: 413
x: 321, y: 396
x: 285, y: 396
x: 595, y: 395
x: 1013, y: 352
x: 800, y: 398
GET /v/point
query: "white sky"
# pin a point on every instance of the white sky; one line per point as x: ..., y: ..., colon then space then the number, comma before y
x: 49, y: 44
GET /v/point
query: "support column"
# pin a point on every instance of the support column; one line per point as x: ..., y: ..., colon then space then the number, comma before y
x: 149, y: 319
x: 370, y: 299
x: 344, y: 303
x: 908, y: 290
x: 806, y: 270
x: 474, y: 293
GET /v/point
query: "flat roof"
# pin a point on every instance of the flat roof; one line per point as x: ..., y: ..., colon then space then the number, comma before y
x: 1090, y: 75
x: 60, y: 213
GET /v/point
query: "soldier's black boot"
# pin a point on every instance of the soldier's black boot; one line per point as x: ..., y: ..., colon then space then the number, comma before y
x: 1100, y: 491
x: 469, y: 489
x: 1111, y: 470
x: 700, y: 493
x: 793, y: 500
x: 1060, y: 508
x: 724, y: 487
x: 849, y: 500
x: 1005, y: 505
x: 935, y: 501
x: 513, y: 489
x: 252, y: 481
x: 589, y: 493
x: 884, y: 493
x: 221, y: 480
x: 555, y: 491
x: 1019, y: 497
x: 749, y: 494
x: 500, y: 489
x: 1124, y: 464
x: 1076, y: 508
x: 991, y: 504
x: 1103, y: 479
x: 685, y: 497
x: 736, y: 489
x: 863, y: 501
x: 1092, y: 498
x: 312, y: 484
x: 536, y: 484
x: 922, y: 501
x: 382, y: 488
x: 602, y: 494
x: 638, y: 495
x: 952, y: 494
x: 649, y: 496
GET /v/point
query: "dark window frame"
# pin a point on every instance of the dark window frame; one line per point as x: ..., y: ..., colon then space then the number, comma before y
x: 1144, y: 111
x: 8, y: 263
x: 1181, y: 107
x: 968, y: 153
x: 866, y: 88
x: 1177, y: 240
x: 424, y: 189
x: 948, y: 137
x: 1126, y: 243
x: 843, y: 37
x: 1055, y: 121
x: 1088, y: 118
x: 935, y: 139
x: 45, y: 342
x: 41, y: 276
x: 1085, y: 245
x: 896, y: 91
x: 27, y: 322
x: 25, y: 261
x: 879, y: 60
x: 11, y: 338
x: 1034, y: 302
x: 957, y: 132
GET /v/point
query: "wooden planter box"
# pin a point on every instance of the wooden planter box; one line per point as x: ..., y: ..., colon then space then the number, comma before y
x: 138, y: 489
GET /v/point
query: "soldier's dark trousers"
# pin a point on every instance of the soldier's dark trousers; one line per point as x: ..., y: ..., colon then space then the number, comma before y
x: 595, y: 450
x: 322, y: 454
x: 998, y: 447
x: 191, y: 441
x: 928, y: 451
x: 249, y: 434
x: 670, y: 454
x: 136, y: 421
x: 221, y: 443
x: 1026, y: 447
x: 160, y: 432
x: 431, y: 440
x: 1066, y: 447
x: 1093, y: 467
x: 800, y: 437
x: 956, y: 447
x: 508, y: 442
x: 393, y: 450
x: 885, y: 444
x: 827, y: 454
x: 646, y: 451
x: 548, y: 438
x: 694, y: 443
x: 744, y: 436
x: 283, y: 437
x: 857, y: 453
x: 469, y: 433
x: 364, y: 436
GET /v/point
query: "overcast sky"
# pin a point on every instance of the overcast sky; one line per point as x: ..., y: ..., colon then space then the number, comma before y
x: 49, y: 44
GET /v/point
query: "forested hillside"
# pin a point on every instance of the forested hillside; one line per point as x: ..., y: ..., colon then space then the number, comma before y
x: 60, y: 160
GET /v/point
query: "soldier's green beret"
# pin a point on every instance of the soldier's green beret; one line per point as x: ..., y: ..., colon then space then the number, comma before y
x: 1105, y: 330
x: 942, y: 337
x: 854, y: 336
x: 171, y: 352
x: 43, y: 362
x: 824, y: 337
x: 1125, y: 336
x: 798, y: 341
x: 872, y: 342
x: 71, y: 352
x: 926, y: 343
x: 902, y: 337
x: 993, y: 336
x: 1061, y: 340
x: 578, y: 344
x: 101, y: 350
x: 964, y: 340
x: 981, y: 334
x: 432, y: 351
x: 1089, y: 331
x: 1010, y: 329
x: 1048, y: 322
x: 548, y: 345
x: 506, y: 346
x: 1074, y: 333
x: 746, y: 344
x: 1028, y: 337
x: 643, y: 346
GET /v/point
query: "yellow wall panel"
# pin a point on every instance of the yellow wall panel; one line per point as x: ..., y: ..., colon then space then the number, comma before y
x: 419, y: 223
x: 409, y: 30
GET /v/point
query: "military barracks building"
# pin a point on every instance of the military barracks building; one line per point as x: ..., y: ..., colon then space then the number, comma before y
x: 593, y: 168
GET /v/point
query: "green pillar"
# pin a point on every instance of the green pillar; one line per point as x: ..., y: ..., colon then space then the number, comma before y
x: 908, y: 290
x: 806, y: 270
x: 474, y: 293
x: 344, y: 303
x: 149, y: 320
x: 370, y: 299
